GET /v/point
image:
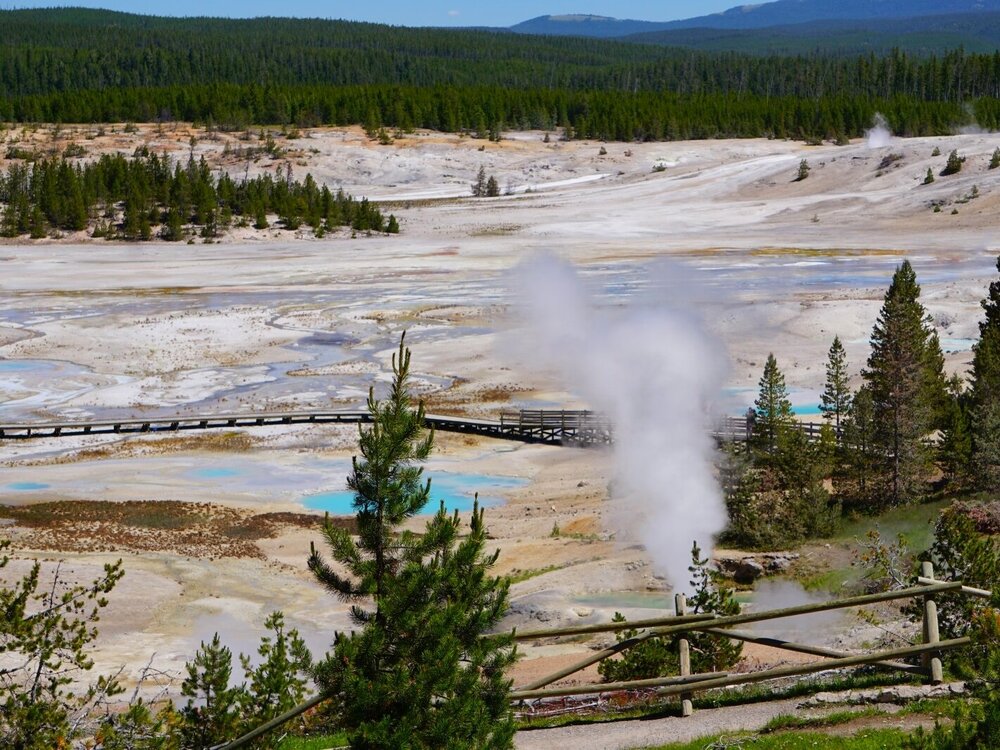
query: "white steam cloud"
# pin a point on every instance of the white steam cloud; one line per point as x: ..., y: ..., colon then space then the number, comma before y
x: 879, y: 136
x: 654, y: 370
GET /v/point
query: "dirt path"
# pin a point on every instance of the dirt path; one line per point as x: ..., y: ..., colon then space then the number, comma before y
x: 643, y: 733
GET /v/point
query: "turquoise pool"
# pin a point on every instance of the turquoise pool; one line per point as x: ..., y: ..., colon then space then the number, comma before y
x: 456, y: 490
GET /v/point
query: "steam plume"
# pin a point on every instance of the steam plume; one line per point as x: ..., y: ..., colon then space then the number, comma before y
x: 653, y: 369
x: 879, y: 136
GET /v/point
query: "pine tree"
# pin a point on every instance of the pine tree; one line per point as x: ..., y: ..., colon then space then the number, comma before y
x: 279, y: 682
x: 953, y: 165
x: 392, y: 226
x: 984, y: 393
x: 803, y: 172
x: 955, y: 447
x: 212, y: 711
x: 929, y: 177
x: 417, y: 674
x: 858, y: 448
x: 492, y: 187
x: 836, y: 398
x: 995, y: 158
x: 479, y: 186
x: 903, y: 384
x: 773, y: 410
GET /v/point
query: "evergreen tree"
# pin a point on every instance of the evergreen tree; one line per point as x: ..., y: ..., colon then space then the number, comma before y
x: 492, y: 187
x: 953, y: 165
x: 212, y: 711
x: 279, y: 682
x: 955, y: 448
x: 392, y: 226
x: 929, y: 177
x: 902, y: 381
x: 773, y: 410
x: 479, y: 186
x: 418, y: 674
x: 995, y: 158
x: 859, y: 449
x: 984, y: 393
x: 836, y: 398
x: 803, y: 172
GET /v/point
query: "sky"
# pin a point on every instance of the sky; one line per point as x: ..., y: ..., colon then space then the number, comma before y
x: 404, y: 12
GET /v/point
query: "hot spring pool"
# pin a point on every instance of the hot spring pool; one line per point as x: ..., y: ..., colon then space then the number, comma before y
x: 456, y: 490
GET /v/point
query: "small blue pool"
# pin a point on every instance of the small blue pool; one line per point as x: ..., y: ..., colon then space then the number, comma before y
x: 457, y: 490
x: 26, y: 486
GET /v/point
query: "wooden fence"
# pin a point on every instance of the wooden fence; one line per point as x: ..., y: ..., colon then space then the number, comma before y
x: 685, y: 684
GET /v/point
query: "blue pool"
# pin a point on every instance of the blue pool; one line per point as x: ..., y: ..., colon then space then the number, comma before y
x: 457, y: 490
x: 21, y: 486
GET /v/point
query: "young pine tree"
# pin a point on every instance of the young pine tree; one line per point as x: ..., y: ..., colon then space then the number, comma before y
x: 212, y: 712
x: 479, y: 186
x: 836, y: 398
x: 773, y: 410
x: 278, y: 682
x: 902, y: 381
x: 953, y: 165
x: 417, y: 673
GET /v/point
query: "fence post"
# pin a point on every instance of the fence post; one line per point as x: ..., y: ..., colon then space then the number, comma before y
x: 684, y: 655
x: 931, y: 663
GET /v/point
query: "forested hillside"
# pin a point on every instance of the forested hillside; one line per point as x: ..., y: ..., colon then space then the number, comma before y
x: 87, y: 66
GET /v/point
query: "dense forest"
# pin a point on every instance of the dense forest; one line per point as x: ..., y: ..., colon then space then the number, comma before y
x: 75, y: 65
x: 147, y: 195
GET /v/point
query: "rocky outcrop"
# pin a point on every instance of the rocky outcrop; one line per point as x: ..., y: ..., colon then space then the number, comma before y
x: 744, y: 569
x: 897, y: 694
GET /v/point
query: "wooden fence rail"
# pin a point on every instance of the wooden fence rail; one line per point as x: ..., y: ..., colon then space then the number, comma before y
x: 684, y: 685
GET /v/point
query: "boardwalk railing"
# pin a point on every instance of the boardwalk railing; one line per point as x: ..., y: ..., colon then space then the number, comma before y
x: 569, y: 428
x: 685, y: 684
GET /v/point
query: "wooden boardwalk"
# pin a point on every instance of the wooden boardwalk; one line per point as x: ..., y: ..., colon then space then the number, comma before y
x: 546, y: 426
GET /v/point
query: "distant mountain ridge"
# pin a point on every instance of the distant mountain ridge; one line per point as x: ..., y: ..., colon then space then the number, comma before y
x: 974, y: 32
x: 601, y: 27
x: 765, y: 15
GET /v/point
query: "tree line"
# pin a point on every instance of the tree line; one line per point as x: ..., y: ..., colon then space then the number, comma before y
x: 607, y: 115
x: 76, y: 65
x: 148, y: 195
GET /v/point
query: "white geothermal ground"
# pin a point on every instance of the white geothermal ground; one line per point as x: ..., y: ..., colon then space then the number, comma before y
x: 273, y: 320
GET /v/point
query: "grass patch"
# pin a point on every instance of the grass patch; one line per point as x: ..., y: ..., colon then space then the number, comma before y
x: 790, y: 721
x: 323, y: 742
x: 875, y: 739
x: 833, y: 580
x: 518, y: 575
x: 914, y: 522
